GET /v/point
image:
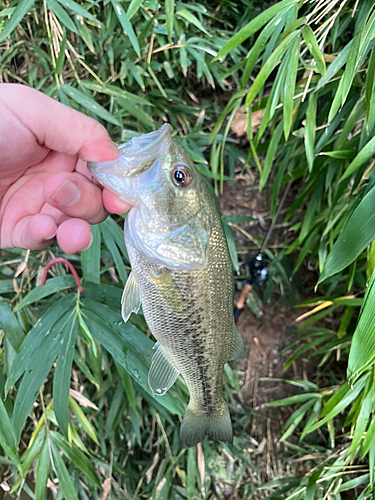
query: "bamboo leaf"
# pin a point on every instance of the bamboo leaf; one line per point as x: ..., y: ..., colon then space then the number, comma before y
x: 349, y: 397
x: 310, y: 130
x: 90, y: 258
x: 126, y: 26
x: 75, y: 7
x: 312, y: 45
x: 53, y: 285
x: 269, y: 66
x: 271, y: 154
x: 9, y: 324
x: 76, y: 456
x: 357, y: 234
x: 65, y: 483
x: 39, y: 333
x: 289, y: 87
x: 169, y: 16
x: 133, y: 8
x: 82, y: 419
x: 61, y: 380
x: 36, y: 370
x: 253, y: 26
x: 89, y: 104
x: 7, y: 437
x: 62, y: 15
x: 364, y: 155
x: 42, y: 472
x: 16, y: 17
x: 362, y: 352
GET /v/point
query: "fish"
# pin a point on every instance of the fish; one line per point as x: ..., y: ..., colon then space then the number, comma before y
x: 181, y: 274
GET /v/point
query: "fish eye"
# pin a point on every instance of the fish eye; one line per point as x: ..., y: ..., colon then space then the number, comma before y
x: 181, y: 176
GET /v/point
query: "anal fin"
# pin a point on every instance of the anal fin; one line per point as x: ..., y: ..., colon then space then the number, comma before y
x: 238, y: 349
x: 162, y: 374
x: 131, y: 298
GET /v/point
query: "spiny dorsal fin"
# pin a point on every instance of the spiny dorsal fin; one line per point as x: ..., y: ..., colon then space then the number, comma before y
x: 162, y: 374
x: 131, y: 297
x: 238, y: 349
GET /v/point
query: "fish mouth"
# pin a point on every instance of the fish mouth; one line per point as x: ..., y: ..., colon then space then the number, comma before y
x: 136, y: 156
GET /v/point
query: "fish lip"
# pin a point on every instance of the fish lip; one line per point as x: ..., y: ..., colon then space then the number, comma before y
x: 164, y: 130
x: 127, y: 156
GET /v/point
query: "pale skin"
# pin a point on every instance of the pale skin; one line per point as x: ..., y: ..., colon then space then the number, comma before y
x: 46, y: 192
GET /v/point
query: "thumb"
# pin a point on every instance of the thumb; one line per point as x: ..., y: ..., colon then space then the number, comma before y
x: 59, y: 127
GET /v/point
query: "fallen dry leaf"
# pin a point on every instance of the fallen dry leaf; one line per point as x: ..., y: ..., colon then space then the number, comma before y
x: 82, y: 399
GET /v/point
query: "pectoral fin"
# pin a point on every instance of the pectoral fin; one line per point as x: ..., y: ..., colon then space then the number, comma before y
x: 238, y: 349
x: 131, y: 298
x: 162, y: 374
x: 170, y: 293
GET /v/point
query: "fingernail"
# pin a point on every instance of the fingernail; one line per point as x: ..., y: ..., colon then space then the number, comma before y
x: 89, y: 245
x: 68, y: 194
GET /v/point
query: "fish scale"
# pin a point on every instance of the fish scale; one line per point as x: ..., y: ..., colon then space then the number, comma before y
x: 181, y: 274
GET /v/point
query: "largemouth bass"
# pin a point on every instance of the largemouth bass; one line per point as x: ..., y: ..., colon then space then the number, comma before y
x: 181, y: 274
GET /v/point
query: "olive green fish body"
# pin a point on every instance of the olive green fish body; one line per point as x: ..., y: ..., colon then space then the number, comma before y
x: 182, y: 276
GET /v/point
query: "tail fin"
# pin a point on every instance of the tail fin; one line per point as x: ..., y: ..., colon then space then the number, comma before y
x: 195, y: 428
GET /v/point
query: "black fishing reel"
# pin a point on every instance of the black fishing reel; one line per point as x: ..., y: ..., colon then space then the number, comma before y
x: 256, y: 270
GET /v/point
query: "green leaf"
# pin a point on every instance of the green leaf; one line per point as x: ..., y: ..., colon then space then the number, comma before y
x: 349, y: 397
x: 362, y: 421
x: 11, y: 327
x: 297, y: 398
x: 90, y: 258
x: 191, y: 18
x: 271, y: 154
x: 128, y: 346
x: 229, y: 233
x: 89, y: 104
x: 65, y: 483
x: 362, y: 352
x: 133, y: 8
x: 112, y: 247
x: 289, y: 87
x: 357, y: 234
x: 75, y: 7
x: 269, y: 66
x: 126, y: 26
x: 61, y: 379
x: 312, y: 45
x: 53, y: 285
x: 253, y: 26
x: 364, y: 155
x: 169, y: 17
x: 310, y: 130
x: 36, y: 370
x: 82, y: 419
x: 62, y: 15
x: 117, y: 92
x: 40, y: 332
x: 76, y: 456
x: 42, y: 472
x: 7, y: 437
x: 191, y: 473
x: 16, y: 17
x: 370, y: 79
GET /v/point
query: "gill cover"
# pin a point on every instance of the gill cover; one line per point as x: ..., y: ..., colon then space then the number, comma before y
x: 170, y: 223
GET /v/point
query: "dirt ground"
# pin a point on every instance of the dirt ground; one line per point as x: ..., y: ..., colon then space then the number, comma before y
x: 264, y: 337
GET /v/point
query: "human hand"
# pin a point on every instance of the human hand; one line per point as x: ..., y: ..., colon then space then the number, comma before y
x: 46, y: 191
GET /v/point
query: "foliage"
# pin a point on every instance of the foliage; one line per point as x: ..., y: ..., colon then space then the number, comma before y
x: 308, y: 68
